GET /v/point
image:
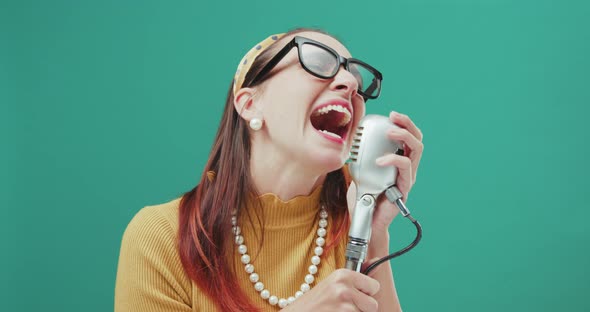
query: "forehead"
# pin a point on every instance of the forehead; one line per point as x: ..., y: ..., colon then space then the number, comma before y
x: 325, y: 39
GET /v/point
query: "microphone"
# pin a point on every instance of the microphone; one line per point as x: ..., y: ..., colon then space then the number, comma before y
x: 370, y: 142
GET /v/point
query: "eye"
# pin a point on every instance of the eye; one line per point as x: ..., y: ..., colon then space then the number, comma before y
x: 318, y: 60
x: 322, y: 62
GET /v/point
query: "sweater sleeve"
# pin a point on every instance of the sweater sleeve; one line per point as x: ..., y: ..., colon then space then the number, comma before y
x: 150, y: 276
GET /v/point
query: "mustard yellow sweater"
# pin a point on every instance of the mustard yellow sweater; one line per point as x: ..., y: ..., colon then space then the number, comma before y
x: 150, y: 276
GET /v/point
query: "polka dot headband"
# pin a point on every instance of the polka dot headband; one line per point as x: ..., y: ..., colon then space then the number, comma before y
x: 248, y: 59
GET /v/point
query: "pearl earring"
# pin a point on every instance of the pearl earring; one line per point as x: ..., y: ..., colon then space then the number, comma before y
x: 256, y: 124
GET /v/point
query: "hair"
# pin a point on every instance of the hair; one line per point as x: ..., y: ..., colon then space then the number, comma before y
x: 204, y: 240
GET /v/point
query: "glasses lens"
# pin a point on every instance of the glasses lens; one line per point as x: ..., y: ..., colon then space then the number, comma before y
x: 369, y: 84
x: 319, y: 60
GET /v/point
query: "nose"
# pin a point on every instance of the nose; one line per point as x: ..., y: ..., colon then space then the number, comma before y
x: 344, y: 82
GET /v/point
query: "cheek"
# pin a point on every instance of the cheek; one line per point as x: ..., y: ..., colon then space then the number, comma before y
x: 299, y: 84
x: 359, y: 111
x: 288, y: 97
x: 284, y: 108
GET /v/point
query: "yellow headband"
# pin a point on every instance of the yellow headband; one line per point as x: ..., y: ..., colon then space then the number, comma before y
x: 248, y: 59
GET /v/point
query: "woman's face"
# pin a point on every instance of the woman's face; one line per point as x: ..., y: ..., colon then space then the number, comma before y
x: 309, y: 119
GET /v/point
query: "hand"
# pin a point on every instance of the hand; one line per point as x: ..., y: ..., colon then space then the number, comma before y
x: 342, y: 290
x: 411, y: 138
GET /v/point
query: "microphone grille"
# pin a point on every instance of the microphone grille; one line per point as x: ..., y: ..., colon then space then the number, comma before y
x: 356, y: 144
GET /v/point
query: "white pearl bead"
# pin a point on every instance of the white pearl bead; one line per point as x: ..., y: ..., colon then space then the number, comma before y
x: 298, y: 294
x: 321, y: 232
x: 249, y: 268
x: 239, y: 240
x: 234, y: 220
x: 255, y: 123
x: 313, y: 269
x: 254, y: 277
x: 259, y: 286
x: 323, y: 214
x: 309, y: 278
x: 305, y: 287
x: 291, y: 299
x: 318, y: 251
x: 245, y: 259
x: 320, y: 241
x: 315, y: 260
x: 283, y: 302
x: 236, y: 230
x: 265, y: 294
x: 242, y: 249
x: 323, y: 223
x: 273, y: 300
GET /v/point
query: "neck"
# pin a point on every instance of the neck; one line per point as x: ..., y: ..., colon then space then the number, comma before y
x: 281, y: 175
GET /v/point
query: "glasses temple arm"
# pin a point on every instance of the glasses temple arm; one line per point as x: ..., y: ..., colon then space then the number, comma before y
x: 372, y: 87
x: 273, y: 62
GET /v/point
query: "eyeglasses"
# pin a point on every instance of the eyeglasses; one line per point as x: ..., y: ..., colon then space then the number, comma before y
x: 324, y: 62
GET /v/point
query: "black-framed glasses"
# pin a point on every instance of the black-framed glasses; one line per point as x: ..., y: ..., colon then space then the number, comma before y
x: 324, y: 62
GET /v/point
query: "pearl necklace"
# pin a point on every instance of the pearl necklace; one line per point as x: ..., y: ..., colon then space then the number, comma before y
x: 255, y: 279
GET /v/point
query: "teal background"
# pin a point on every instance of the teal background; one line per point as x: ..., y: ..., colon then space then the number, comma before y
x: 108, y: 106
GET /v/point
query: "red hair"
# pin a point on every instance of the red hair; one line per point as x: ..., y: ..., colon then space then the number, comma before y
x: 205, y: 240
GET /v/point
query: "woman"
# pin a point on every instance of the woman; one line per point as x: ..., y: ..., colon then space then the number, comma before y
x: 266, y: 227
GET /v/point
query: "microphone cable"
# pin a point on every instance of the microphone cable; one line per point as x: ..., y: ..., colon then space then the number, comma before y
x: 394, y: 195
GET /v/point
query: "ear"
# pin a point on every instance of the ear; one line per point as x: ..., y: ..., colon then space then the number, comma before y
x: 244, y: 103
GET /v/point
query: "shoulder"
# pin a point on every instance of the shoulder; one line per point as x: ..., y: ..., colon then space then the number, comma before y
x: 153, y: 231
x: 160, y: 218
x: 150, y: 274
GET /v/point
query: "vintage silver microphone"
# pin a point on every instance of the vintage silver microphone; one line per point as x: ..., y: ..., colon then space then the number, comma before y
x: 370, y: 142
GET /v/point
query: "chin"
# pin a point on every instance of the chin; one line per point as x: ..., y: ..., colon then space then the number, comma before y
x: 328, y: 161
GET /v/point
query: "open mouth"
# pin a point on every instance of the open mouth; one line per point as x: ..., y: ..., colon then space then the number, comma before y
x: 331, y: 120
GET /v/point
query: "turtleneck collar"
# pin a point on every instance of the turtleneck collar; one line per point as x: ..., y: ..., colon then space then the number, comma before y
x: 300, y: 210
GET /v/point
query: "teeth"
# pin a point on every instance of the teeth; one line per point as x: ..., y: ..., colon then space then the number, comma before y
x: 331, y: 134
x: 338, y: 108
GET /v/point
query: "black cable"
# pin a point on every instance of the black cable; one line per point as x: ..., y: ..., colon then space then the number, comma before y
x: 400, y: 252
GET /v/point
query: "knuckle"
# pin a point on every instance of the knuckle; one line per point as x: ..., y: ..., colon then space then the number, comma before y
x: 406, y: 162
x: 340, y: 274
x: 343, y: 294
x: 377, y: 285
x: 420, y: 147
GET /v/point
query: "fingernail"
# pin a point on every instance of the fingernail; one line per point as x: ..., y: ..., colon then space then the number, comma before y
x: 380, y: 160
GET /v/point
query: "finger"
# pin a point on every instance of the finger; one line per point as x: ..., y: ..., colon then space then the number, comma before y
x: 411, y: 141
x: 365, y: 284
x: 348, y: 306
x: 405, y: 178
x: 405, y: 122
x: 402, y: 163
x: 363, y: 302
